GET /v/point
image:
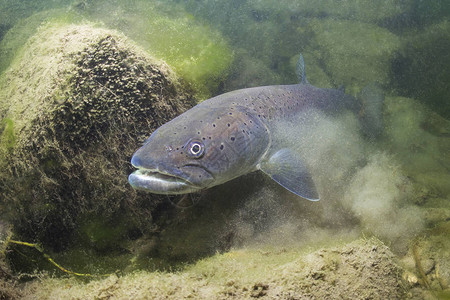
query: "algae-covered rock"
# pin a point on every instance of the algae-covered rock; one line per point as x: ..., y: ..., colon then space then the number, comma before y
x: 420, y: 68
x: 361, y: 10
x: 418, y: 137
x: 353, y: 53
x: 74, y: 107
x: 363, y: 269
x: 194, y: 50
x: 15, y: 38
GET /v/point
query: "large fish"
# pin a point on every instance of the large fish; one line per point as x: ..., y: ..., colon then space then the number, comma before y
x: 232, y: 134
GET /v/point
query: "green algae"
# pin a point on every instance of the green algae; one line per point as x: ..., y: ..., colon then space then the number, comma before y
x: 194, y: 50
x: 12, y: 43
x: 70, y: 154
x: 353, y: 53
x: 7, y: 137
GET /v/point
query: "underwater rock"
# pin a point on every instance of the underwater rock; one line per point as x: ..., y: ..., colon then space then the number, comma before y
x: 75, y: 105
x: 418, y: 137
x: 353, y: 53
x: 252, y: 72
x: 197, y: 52
x: 363, y: 269
x: 15, y: 37
x: 362, y: 10
x: 416, y: 71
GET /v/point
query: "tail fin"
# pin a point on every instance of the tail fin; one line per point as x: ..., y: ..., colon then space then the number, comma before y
x: 371, y: 114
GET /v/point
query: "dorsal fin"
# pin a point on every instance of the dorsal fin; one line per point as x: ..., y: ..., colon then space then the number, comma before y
x: 300, y: 70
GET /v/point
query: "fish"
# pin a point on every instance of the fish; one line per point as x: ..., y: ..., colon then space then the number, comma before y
x: 233, y: 134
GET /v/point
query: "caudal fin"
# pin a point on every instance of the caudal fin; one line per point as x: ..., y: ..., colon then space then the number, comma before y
x: 371, y: 114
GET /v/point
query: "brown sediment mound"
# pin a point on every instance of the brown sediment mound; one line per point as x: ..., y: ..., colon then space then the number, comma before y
x: 363, y: 269
x: 74, y: 106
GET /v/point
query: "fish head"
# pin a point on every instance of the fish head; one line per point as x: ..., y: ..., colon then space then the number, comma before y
x: 197, y: 150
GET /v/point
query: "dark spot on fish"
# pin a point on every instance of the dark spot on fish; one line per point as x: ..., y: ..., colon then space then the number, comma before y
x: 232, y: 138
x: 184, y: 127
x: 214, y: 125
x: 245, y: 124
x: 178, y: 148
x: 209, y: 137
x: 228, y: 124
x: 221, y: 147
x: 198, y: 132
x: 203, y: 138
x: 230, y: 114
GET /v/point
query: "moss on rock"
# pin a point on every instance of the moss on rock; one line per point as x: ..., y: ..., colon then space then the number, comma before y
x: 194, y: 50
x: 75, y: 106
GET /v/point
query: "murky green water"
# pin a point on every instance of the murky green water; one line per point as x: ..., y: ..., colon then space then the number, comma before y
x: 55, y: 188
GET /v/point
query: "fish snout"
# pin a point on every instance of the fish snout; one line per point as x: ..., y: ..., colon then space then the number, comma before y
x: 136, y: 161
x: 142, y: 160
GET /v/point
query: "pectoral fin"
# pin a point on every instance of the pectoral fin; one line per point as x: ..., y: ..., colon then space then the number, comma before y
x: 286, y: 168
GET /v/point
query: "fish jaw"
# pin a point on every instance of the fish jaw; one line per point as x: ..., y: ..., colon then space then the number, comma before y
x: 160, y: 178
x: 156, y: 182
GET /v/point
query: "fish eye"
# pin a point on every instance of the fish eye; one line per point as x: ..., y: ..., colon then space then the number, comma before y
x: 196, y: 149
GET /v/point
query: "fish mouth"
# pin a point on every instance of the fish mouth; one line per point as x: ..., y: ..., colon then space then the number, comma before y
x: 158, y: 182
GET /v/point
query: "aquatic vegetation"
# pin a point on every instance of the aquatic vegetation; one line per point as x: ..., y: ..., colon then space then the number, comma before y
x: 199, y: 54
x: 195, y: 51
x: 7, y: 137
x: 15, y: 38
x: 76, y: 105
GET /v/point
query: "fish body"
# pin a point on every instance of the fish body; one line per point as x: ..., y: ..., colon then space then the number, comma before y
x: 232, y: 134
